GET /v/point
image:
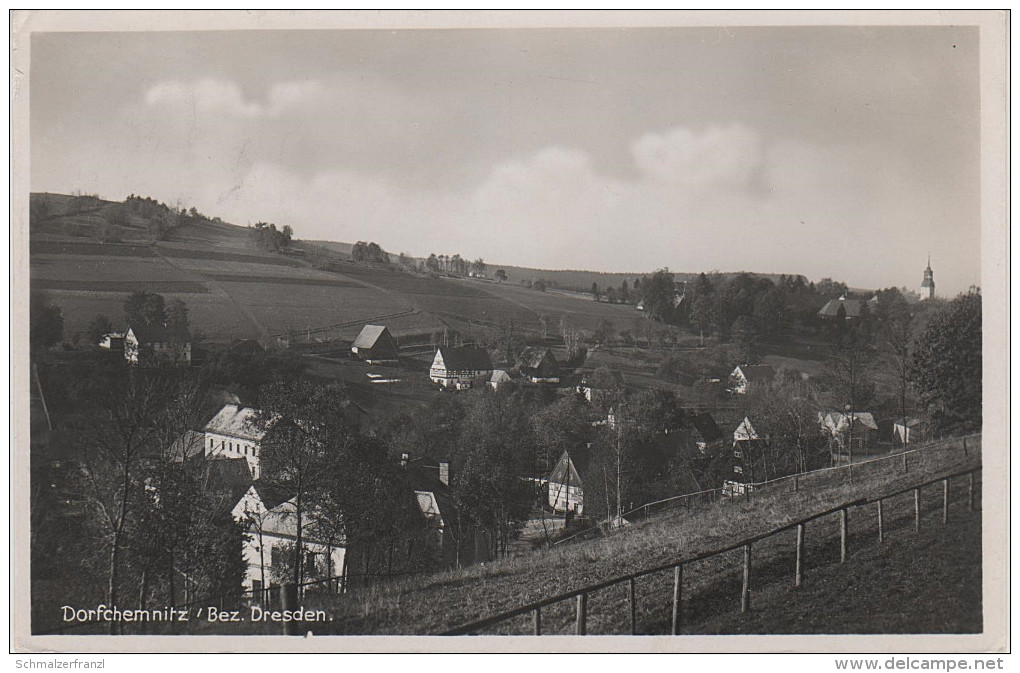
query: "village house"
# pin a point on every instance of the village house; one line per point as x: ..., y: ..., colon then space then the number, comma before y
x: 910, y: 431
x: 566, y: 489
x: 113, y: 341
x: 838, y: 428
x: 539, y: 365
x: 234, y: 433
x: 745, y: 376
x: 270, y: 520
x: 156, y: 344
x: 375, y: 344
x: 748, y: 447
x: 460, y: 368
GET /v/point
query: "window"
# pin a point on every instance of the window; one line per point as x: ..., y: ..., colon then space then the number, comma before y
x: 737, y: 469
x: 310, y: 562
x: 738, y: 454
x: 212, y: 443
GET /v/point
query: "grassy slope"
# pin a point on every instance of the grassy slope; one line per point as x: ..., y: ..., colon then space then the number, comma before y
x: 434, y: 603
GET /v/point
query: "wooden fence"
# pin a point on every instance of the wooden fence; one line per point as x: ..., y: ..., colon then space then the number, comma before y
x: 823, y: 477
x: 580, y: 596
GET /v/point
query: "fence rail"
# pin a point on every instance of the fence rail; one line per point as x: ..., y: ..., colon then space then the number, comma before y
x: 580, y: 595
x: 797, y: 480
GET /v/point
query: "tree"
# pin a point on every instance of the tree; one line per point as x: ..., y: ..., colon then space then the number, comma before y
x: 897, y: 341
x: 946, y: 365
x: 659, y: 292
x: 111, y: 442
x: 496, y: 446
x: 507, y: 339
x: 479, y: 266
x: 144, y: 308
x: 500, y: 275
x: 850, y: 372
x: 46, y: 322
x: 176, y: 314
x: 98, y: 328
x: 307, y: 428
x: 432, y: 263
x: 539, y: 285
x: 624, y: 294
x: 595, y: 291
x: 603, y: 331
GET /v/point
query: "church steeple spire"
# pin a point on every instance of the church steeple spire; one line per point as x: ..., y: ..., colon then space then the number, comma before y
x: 928, y: 284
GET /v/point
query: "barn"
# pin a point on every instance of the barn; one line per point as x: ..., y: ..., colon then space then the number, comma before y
x: 375, y: 344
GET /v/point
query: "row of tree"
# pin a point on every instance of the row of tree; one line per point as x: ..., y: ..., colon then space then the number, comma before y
x: 267, y: 237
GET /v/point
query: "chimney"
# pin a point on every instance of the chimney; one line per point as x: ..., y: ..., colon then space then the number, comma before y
x: 444, y: 473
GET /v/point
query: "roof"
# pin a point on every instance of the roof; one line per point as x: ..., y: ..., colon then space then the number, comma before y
x: 433, y: 496
x: 532, y: 358
x: 236, y: 421
x: 851, y: 306
x: 465, y: 358
x: 745, y: 431
x: 226, y: 480
x: 576, y: 461
x: 911, y: 422
x: 186, y: 446
x: 370, y: 335
x: 836, y: 421
x: 706, y: 426
x: 272, y: 494
x: 161, y: 334
x: 757, y: 373
x: 499, y: 376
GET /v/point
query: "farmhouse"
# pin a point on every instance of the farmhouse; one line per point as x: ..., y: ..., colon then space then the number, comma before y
x: 842, y: 308
x: 539, y: 365
x: 375, y: 344
x: 460, y: 368
x: 744, y: 376
x: 446, y: 541
x: 233, y: 433
x: 839, y: 426
x: 156, y: 344
x: 566, y: 489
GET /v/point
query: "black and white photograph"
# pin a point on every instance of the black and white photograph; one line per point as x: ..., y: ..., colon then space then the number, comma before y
x: 502, y: 326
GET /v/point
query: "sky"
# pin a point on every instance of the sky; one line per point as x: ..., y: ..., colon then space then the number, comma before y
x: 842, y: 152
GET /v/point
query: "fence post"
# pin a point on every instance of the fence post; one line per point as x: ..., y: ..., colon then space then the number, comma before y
x: 633, y: 609
x: 842, y: 535
x: 678, y: 578
x: 538, y: 621
x: 945, y: 501
x: 905, y: 469
x: 745, y: 592
x: 970, y: 493
x: 582, y: 614
x: 917, y: 510
x: 796, y: 483
x: 964, y: 447
x: 289, y: 601
x: 880, y: 531
x: 800, y: 555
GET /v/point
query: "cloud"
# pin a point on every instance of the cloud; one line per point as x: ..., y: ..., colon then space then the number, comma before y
x: 214, y: 96
x: 720, y: 155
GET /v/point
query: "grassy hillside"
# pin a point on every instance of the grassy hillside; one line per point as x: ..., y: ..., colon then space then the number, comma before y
x: 438, y: 602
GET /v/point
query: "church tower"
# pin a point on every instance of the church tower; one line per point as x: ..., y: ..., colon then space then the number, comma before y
x: 928, y: 284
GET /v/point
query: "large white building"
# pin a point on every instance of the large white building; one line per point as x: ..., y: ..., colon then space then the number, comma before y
x: 234, y: 432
